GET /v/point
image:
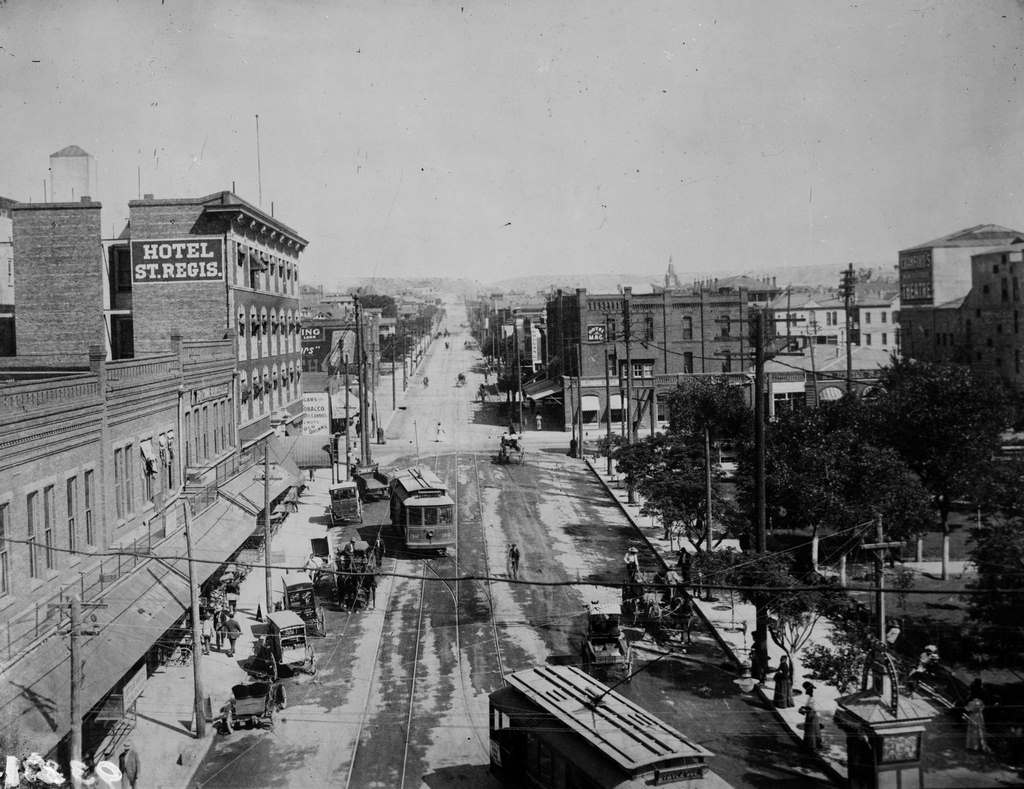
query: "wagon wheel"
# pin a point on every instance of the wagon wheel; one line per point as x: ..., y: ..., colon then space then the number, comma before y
x: 229, y: 720
x: 280, y: 696
x: 321, y: 622
x: 312, y: 663
x: 272, y: 671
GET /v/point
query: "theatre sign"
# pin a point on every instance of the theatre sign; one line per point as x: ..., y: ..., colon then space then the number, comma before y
x: 191, y: 259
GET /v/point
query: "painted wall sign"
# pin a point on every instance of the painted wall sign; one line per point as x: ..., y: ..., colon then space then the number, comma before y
x: 178, y: 260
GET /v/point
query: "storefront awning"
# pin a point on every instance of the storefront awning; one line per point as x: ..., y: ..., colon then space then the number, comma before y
x: 304, y: 451
x: 137, y: 610
x: 541, y: 389
x: 831, y: 393
x: 280, y: 453
x: 590, y: 403
x: 247, y: 489
x: 615, y: 402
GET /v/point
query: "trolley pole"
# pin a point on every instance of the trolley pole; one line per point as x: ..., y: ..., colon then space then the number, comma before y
x: 405, y: 359
x: 846, y: 290
x: 193, y: 597
x: 579, y: 393
x: 519, y: 373
x: 394, y: 385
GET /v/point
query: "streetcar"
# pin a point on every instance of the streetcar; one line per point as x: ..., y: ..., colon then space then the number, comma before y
x: 556, y: 727
x: 422, y: 509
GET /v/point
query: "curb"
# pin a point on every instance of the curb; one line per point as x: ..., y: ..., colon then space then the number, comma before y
x: 829, y: 768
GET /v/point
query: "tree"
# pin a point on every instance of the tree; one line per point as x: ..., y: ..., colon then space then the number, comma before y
x: 702, y: 411
x: 829, y: 473
x: 667, y: 473
x: 840, y: 660
x: 945, y: 421
x: 386, y: 304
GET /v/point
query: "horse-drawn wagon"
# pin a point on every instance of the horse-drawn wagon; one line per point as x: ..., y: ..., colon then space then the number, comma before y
x: 605, y: 646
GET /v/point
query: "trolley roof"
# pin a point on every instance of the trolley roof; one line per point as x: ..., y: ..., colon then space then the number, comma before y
x: 417, y: 480
x: 430, y: 500
x: 623, y: 731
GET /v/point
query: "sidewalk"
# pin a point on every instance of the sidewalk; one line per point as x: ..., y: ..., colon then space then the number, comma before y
x: 163, y: 733
x: 732, y: 625
x: 945, y: 764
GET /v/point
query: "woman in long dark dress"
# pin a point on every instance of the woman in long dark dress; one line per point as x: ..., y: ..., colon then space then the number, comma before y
x: 784, y: 684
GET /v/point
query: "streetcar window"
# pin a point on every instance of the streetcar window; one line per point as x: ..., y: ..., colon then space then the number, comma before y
x: 445, y: 515
x: 500, y: 720
x: 415, y: 518
x: 430, y: 516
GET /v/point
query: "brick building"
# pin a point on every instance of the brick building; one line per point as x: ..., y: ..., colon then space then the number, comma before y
x: 934, y: 278
x: 99, y: 459
x: 671, y: 334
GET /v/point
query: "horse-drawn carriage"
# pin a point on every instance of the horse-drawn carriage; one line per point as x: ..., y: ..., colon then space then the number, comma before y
x: 252, y: 704
x: 355, y: 575
x: 371, y: 482
x: 510, y: 449
x: 298, y: 594
x: 284, y: 645
x: 659, y: 604
x: 345, y: 504
x: 605, y: 646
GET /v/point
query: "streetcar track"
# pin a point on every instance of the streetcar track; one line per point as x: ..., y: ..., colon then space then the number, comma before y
x: 487, y: 568
x: 412, y: 682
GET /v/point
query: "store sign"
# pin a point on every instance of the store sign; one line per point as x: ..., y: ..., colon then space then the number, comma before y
x: 312, y: 333
x: 315, y: 421
x: 178, y: 260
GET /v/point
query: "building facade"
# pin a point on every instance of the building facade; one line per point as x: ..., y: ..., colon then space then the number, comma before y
x: 669, y: 334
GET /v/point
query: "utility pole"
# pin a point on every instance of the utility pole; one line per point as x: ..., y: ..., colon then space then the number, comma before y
x: 608, y: 403
x: 519, y: 373
x: 348, y: 437
x: 193, y: 597
x: 394, y: 383
x: 760, y: 504
x: 364, y: 403
x: 266, y: 531
x: 878, y: 547
x: 628, y: 329
x: 75, y: 633
x: 846, y: 290
x: 405, y: 358
x: 330, y: 427
x: 579, y: 393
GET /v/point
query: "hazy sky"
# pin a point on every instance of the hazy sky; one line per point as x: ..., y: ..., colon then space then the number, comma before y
x: 492, y: 139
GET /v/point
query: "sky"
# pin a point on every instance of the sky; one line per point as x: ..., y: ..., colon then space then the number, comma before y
x: 495, y: 139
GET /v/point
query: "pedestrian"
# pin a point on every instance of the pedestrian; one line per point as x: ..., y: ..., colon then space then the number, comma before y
x: 812, y: 725
x: 231, y: 593
x: 513, y: 560
x: 974, y: 712
x: 378, y: 551
x: 759, y: 660
x: 220, y: 617
x: 539, y: 422
x: 632, y: 561
x: 233, y: 630
x: 130, y: 766
x: 783, y: 697
x: 206, y: 629
x: 684, y: 565
x: 310, y: 473
x: 371, y: 585
x: 439, y: 435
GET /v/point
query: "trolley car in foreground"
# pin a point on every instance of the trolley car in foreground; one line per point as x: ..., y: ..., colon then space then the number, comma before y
x: 555, y: 727
x: 422, y: 509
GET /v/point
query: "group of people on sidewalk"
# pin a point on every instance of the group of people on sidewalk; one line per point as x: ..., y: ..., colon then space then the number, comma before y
x: 217, y: 616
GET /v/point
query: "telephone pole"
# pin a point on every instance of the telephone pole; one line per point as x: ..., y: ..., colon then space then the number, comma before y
x: 627, y: 329
x: 193, y: 596
x: 760, y: 504
x: 364, y: 402
x: 846, y: 290
x: 75, y: 633
x: 266, y: 536
x: 879, y: 546
x: 608, y: 403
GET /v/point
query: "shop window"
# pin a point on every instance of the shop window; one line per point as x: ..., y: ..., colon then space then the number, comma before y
x: 48, y: 518
x: 72, y: 501
x: 89, y: 493
x: 5, y: 578
x: 32, y: 522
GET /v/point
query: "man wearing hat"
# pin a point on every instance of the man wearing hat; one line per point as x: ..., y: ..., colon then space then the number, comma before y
x: 129, y: 764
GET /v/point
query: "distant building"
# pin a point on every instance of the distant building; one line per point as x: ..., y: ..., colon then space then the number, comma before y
x: 936, y: 274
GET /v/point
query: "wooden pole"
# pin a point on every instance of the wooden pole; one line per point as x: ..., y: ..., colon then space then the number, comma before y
x: 266, y: 524
x: 193, y: 598
x: 76, y: 681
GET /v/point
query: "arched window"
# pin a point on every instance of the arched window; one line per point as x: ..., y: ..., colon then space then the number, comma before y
x: 241, y: 321
x: 254, y: 327
x: 265, y: 320
x: 243, y: 386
